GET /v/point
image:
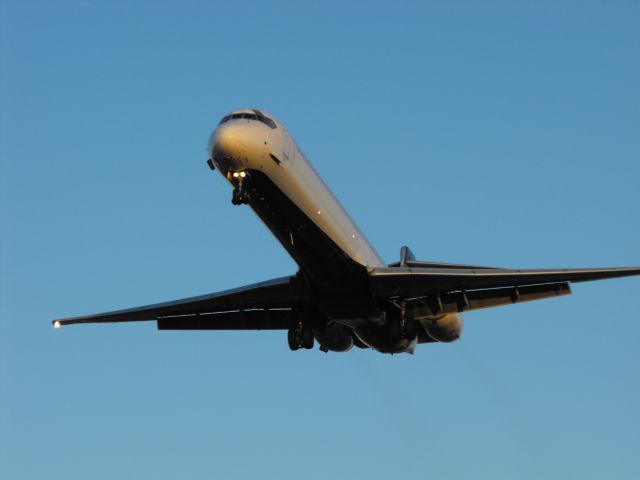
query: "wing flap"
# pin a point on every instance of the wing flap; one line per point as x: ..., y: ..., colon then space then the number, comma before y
x: 266, y: 319
x: 457, y: 302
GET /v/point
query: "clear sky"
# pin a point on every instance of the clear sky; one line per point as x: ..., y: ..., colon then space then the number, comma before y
x: 498, y: 133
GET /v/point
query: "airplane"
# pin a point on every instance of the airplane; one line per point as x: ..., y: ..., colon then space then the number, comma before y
x: 343, y: 294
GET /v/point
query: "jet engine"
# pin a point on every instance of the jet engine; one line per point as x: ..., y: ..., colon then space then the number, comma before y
x: 334, y: 337
x: 443, y: 329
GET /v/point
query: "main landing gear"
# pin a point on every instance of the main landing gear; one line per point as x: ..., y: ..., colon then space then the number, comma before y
x: 300, y: 336
x: 240, y: 195
x: 402, y: 327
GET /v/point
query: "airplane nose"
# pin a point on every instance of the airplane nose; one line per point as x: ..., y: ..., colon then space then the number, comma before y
x: 238, y: 146
x: 227, y: 144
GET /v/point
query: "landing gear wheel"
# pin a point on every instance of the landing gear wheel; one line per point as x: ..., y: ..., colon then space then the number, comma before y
x: 402, y: 328
x: 409, y: 330
x: 292, y: 337
x: 307, y: 337
x: 240, y: 196
x: 300, y: 336
x: 395, y: 329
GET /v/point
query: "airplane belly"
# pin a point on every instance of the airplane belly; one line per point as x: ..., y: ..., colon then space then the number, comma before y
x: 250, y: 146
x: 318, y: 256
x: 299, y: 182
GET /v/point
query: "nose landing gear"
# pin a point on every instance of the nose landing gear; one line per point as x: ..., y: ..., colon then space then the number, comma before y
x: 240, y: 195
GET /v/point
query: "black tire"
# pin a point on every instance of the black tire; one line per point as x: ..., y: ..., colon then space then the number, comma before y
x: 292, y: 339
x: 395, y: 329
x: 410, y: 328
x: 307, y: 338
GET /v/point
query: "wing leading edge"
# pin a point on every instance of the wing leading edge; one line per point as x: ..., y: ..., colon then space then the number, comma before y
x: 264, y: 305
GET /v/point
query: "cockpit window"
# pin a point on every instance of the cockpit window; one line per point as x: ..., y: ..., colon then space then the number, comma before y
x: 264, y: 119
x: 258, y: 115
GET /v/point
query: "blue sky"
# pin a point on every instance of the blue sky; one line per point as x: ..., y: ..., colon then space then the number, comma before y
x: 499, y: 133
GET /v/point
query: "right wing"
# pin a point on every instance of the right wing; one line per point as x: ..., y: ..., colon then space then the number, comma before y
x: 264, y: 305
x: 413, y: 282
x: 437, y: 289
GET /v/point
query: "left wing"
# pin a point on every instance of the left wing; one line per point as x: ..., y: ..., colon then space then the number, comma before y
x: 264, y: 305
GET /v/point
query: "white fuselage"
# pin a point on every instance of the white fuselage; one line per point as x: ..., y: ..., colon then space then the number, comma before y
x: 242, y: 144
x: 294, y: 200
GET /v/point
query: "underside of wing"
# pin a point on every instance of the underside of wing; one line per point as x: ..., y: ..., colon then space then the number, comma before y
x: 264, y: 305
x: 438, y: 290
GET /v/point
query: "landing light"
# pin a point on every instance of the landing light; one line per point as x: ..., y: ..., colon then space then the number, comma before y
x: 243, y: 174
x: 57, y: 324
x: 235, y: 174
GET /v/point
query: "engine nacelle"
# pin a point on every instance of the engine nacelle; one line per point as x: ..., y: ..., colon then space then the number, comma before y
x: 334, y: 337
x: 444, y: 329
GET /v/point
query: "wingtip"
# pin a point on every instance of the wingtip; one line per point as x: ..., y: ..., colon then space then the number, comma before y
x: 56, y: 324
